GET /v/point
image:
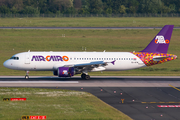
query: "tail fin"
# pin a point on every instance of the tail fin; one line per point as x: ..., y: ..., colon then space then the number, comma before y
x: 161, y: 41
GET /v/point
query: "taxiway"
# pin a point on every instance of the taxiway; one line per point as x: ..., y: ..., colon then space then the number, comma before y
x: 141, y: 98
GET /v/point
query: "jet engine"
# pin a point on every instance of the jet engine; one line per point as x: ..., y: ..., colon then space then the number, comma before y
x: 65, y: 72
x: 55, y: 73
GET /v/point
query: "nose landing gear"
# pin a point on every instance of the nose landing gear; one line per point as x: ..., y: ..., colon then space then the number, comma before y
x: 27, y: 75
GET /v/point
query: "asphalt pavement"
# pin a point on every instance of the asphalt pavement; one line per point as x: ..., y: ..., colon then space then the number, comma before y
x: 140, y: 97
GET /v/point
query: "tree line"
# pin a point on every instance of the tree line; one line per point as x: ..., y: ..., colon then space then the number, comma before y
x: 89, y: 6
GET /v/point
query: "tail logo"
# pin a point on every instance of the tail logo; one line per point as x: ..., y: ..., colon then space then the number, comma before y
x: 160, y: 40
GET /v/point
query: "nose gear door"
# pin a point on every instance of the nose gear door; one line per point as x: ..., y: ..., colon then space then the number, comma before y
x: 27, y: 59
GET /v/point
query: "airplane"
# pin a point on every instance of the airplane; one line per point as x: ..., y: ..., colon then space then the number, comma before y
x: 67, y: 64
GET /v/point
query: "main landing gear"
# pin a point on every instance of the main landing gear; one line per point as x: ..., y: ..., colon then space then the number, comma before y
x: 27, y: 75
x: 84, y: 76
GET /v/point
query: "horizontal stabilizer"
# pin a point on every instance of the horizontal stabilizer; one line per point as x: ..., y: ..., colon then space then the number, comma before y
x: 159, y: 58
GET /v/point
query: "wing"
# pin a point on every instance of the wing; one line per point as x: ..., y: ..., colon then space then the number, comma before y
x: 91, y: 66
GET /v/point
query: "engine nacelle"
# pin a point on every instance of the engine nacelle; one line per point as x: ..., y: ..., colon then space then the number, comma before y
x: 55, y: 73
x: 65, y: 71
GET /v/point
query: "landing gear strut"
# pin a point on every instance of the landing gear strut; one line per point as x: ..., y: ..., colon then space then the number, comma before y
x: 84, y: 76
x: 27, y: 75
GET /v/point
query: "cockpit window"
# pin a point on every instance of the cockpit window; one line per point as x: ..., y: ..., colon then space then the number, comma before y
x: 15, y: 58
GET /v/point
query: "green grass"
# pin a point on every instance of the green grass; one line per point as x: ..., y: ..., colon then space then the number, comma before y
x: 56, y: 104
x: 15, y: 41
x: 90, y: 22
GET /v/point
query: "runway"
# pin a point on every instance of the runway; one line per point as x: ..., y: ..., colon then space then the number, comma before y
x: 95, y: 81
x: 85, y: 28
x: 140, y: 97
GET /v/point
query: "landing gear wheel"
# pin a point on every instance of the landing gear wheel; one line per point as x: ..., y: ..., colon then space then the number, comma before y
x: 87, y: 77
x: 83, y: 76
x: 26, y: 77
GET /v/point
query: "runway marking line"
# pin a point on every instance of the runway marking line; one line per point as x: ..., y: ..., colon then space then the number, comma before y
x: 158, y: 102
x: 174, y: 87
x: 168, y: 106
x: 39, y: 82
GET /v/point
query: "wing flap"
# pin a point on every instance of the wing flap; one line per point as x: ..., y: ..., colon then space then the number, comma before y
x: 91, y: 66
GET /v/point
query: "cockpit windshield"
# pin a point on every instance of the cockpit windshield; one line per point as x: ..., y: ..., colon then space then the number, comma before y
x: 15, y: 58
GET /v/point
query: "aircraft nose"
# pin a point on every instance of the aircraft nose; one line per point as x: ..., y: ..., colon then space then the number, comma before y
x: 6, y: 64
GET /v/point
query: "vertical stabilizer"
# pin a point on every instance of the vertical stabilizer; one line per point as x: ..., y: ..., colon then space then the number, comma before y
x: 161, y: 41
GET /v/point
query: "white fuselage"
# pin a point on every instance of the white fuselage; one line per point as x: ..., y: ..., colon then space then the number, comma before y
x: 42, y: 61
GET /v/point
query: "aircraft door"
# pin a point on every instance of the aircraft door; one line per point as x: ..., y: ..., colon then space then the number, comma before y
x: 27, y: 59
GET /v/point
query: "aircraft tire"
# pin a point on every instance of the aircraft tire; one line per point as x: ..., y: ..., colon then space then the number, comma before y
x: 83, y: 76
x: 87, y: 77
x: 26, y: 77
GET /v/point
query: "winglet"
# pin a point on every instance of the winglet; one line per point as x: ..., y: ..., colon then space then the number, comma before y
x: 161, y: 41
x: 113, y: 62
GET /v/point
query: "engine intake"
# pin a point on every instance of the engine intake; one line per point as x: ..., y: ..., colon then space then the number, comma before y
x: 55, y: 73
x: 65, y: 71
